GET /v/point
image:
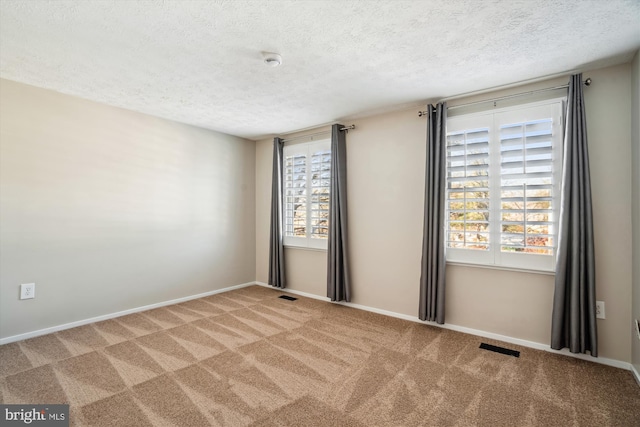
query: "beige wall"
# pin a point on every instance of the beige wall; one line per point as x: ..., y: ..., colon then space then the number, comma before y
x: 635, y: 132
x: 608, y: 102
x: 386, y: 166
x: 106, y: 209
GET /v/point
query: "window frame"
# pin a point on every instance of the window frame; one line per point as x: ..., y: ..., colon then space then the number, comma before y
x: 308, y: 149
x: 493, y: 119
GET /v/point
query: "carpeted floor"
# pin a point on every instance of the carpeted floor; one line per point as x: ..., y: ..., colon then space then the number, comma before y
x: 249, y: 358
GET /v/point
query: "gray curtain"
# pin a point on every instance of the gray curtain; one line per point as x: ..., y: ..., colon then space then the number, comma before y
x: 338, y: 286
x: 276, y: 244
x: 573, y: 324
x: 432, y: 278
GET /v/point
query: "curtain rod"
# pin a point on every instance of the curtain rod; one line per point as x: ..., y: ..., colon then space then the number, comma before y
x: 310, y: 135
x: 587, y: 82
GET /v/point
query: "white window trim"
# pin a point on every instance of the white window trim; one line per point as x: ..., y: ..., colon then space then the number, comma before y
x: 308, y: 149
x: 495, y: 258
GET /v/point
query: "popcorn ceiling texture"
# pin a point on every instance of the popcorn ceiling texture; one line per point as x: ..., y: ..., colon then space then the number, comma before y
x: 199, y: 62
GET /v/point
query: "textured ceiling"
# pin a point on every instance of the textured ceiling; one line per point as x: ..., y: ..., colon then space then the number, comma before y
x: 199, y: 62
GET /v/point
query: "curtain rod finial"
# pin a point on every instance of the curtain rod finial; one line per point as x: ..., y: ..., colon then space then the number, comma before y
x: 587, y: 82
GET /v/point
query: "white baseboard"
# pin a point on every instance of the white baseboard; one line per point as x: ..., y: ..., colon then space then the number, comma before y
x: 636, y: 374
x: 517, y: 341
x: 83, y: 322
x: 531, y: 344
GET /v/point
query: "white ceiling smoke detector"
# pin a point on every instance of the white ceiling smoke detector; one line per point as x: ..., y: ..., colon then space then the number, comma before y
x: 272, y: 59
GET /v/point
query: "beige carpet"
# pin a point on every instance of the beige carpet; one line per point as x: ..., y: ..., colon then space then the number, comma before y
x: 249, y: 358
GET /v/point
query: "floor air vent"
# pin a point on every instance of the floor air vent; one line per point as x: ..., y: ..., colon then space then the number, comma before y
x: 287, y: 297
x: 500, y: 350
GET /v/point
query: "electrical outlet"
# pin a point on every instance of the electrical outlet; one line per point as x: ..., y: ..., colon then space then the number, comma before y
x: 600, y: 310
x: 28, y: 291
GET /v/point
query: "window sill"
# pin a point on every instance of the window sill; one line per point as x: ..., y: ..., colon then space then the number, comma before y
x: 304, y: 248
x: 499, y: 267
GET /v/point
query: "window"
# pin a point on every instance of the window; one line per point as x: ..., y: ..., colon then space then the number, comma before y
x: 503, y: 186
x: 307, y: 173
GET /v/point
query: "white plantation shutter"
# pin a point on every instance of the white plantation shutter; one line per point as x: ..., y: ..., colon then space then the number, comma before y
x: 307, y: 187
x: 526, y: 187
x: 320, y: 185
x: 295, y: 204
x: 503, y: 179
x: 468, y: 189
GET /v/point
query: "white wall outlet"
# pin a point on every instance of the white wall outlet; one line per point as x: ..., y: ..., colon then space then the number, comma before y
x: 28, y: 291
x: 600, y: 310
